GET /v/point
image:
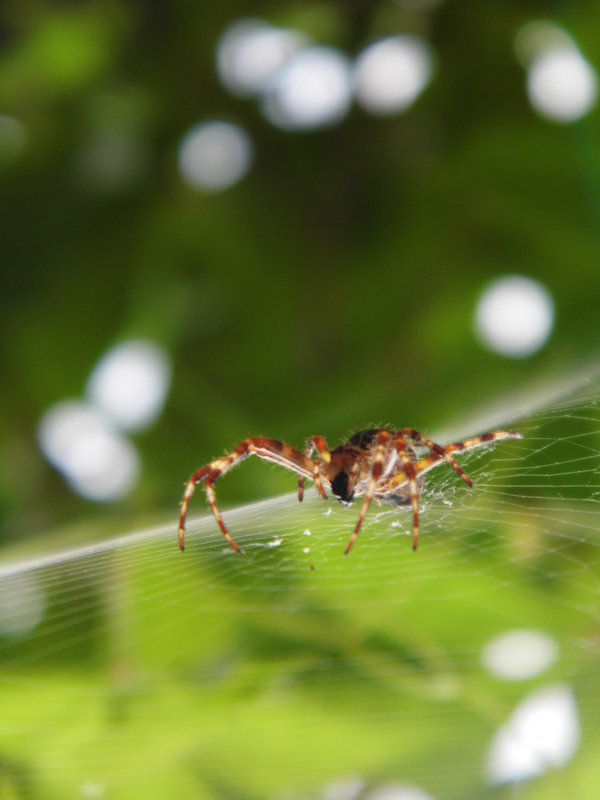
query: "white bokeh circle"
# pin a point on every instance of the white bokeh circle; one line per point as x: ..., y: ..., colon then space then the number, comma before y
x: 514, y: 316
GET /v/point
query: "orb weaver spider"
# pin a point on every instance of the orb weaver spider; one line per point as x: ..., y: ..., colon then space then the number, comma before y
x: 378, y: 464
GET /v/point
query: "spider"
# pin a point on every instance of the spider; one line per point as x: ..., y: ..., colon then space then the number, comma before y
x: 377, y: 464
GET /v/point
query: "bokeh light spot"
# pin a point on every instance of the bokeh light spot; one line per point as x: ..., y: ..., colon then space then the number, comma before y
x: 22, y: 604
x: 313, y: 90
x: 104, y: 466
x: 535, y: 38
x: 514, y: 316
x: 389, y: 75
x: 347, y: 788
x: 130, y: 383
x: 215, y: 155
x: 543, y: 733
x: 520, y: 654
x: 92, y: 790
x: 97, y: 462
x: 251, y: 52
x: 562, y: 85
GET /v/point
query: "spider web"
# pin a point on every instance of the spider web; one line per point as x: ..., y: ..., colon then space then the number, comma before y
x: 128, y: 668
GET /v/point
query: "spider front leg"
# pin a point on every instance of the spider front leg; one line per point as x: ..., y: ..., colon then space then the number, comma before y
x: 267, y: 449
x: 381, y: 445
x: 409, y: 470
x: 319, y: 444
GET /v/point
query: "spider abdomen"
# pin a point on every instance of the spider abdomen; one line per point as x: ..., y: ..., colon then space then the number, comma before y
x: 363, y: 439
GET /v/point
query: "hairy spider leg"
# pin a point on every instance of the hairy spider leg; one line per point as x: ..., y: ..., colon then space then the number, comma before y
x: 381, y: 447
x: 440, y: 454
x: 480, y: 441
x: 195, y: 479
x: 266, y: 449
x: 319, y: 444
x: 209, y: 474
x: 435, y: 448
x: 411, y: 476
x: 211, y: 497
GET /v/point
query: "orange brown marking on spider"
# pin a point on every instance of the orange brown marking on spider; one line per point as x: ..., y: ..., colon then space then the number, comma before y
x: 376, y: 464
x: 411, y: 476
x: 319, y: 444
x: 382, y: 439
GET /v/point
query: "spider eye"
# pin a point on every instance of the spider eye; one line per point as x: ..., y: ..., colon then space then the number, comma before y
x: 339, y: 487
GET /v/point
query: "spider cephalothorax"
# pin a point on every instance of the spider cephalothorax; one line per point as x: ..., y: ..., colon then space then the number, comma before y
x: 377, y: 464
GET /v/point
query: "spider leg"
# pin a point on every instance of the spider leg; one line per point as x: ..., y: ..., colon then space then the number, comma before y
x: 440, y: 454
x: 411, y: 476
x: 210, y: 494
x: 315, y: 443
x: 209, y: 475
x: 479, y: 441
x: 382, y: 441
x: 195, y: 479
x: 266, y: 449
x: 426, y: 464
x: 444, y: 453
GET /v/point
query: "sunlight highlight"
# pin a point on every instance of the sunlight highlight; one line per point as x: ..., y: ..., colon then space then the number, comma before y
x: 313, y: 90
x: 251, y: 52
x: 561, y: 84
x: 542, y: 734
x: 215, y: 155
x: 520, y: 655
x: 84, y: 440
x: 22, y: 604
x: 130, y: 383
x: 514, y: 316
x: 97, y: 462
x: 348, y: 788
x: 92, y: 790
x: 391, y: 74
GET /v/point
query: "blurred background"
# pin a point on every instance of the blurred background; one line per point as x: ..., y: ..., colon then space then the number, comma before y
x: 220, y: 220
x: 303, y: 217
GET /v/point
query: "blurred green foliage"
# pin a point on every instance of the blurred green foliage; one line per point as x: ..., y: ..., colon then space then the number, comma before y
x: 333, y: 288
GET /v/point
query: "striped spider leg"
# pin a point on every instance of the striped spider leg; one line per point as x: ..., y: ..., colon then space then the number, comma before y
x: 376, y: 464
x: 402, y: 481
x: 266, y: 449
